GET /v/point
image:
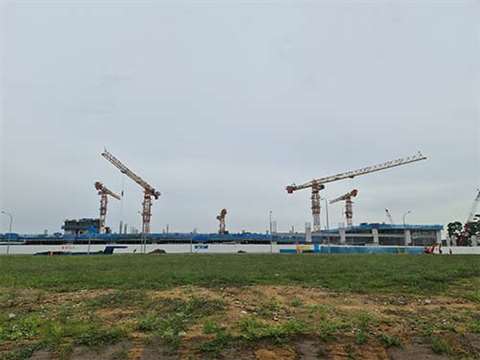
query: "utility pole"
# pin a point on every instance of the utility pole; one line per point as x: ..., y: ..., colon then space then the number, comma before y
x: 405, y: 215
x: 270, y: 218
x: 11, y: 220
x: 9, y: 228
x: 327, y: 221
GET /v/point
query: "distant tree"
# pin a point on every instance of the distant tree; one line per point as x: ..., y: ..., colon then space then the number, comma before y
x: 454, y: 229
x: 472, y: 229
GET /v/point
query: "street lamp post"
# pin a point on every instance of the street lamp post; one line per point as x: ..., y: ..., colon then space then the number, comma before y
x: 144, y: 238
x: 270, y: 218
x: 271, y: 232
x: 9, y: 228
x: 326, y: 214
x: 11, y: 220
x: 405, y: 215
x: 327, y: 223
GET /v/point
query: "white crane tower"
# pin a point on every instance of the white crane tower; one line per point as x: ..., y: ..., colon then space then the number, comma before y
x: 472, y: 215
x: 318, y: 184
x: 148, y: 191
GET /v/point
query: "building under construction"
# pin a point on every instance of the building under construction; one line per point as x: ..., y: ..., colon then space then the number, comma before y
x: 381, y: 234
x: 86, y: 230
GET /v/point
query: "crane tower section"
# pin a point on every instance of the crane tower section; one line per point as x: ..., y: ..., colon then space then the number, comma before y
x: 104, y: 193
x: 221, y: 218
x: 348, y: 205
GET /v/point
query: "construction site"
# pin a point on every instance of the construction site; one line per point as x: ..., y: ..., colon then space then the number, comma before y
x: 239, y: 180
x: 93, y: 235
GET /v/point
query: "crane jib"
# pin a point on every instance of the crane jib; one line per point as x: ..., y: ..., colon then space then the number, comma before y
x: 351, y: 174
x: 126, y: 171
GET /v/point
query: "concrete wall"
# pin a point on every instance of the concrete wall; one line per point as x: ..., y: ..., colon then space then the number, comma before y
x: 211, y: 249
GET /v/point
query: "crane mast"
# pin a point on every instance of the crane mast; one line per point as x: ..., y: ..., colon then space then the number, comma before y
x: 104, y: 193
x: 348, y: 205
x: 149, y: 192
x: 317, y: 184
x: 221, y: 219
x: 471, y: 215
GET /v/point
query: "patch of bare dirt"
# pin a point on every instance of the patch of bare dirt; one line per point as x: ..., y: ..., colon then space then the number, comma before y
x: 309, y: 350
x: 184, y: 292
x: 474, y: 341
x: 152, y: 351
x: 111, y: 352
x: 74, y: 296
x: 414, y: 351
x: 41, y: 355
x: 347, y: 349
x: 114, y: 315
x: 275, y: 353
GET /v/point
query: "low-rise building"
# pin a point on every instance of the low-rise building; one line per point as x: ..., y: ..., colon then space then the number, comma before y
x: 81, y: 226
x: 381, y: 234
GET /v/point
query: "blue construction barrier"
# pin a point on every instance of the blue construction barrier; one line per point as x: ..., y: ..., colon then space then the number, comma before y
x: 412, y: 250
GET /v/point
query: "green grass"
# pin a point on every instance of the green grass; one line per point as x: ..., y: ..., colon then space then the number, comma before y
x: 221, y: 339
x: 356, y: 273
x: 390, y: 340
x: 171, y: 317
x: 441, y: 346
x: 36, y: 315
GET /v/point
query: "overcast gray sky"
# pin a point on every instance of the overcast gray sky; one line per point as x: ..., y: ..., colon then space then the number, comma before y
x: 223, y: 103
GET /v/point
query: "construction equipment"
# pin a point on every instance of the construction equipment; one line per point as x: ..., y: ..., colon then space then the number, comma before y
x: 472, y: 215
x: 389, y: 216
x: 104, y: 193
x: 148, y: 191
x: 221, y: 219
x: 318, y: 184
x: 431, y: 249
x: 348, y: 205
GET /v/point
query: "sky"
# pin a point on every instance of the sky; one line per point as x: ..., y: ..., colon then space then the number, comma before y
x: 221, y: 104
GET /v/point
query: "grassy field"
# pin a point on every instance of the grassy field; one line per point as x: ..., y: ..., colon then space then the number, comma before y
x: 358, y: 273
x: 240, y: 306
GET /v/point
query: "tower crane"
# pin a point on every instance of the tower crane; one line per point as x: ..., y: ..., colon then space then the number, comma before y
x: 348, y: 205
x: 221, y: 219
x: 104, y: 193
x: 318, y: 184
x: 472, y: 215
x: 389, y: 216
x: 148, y: 191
